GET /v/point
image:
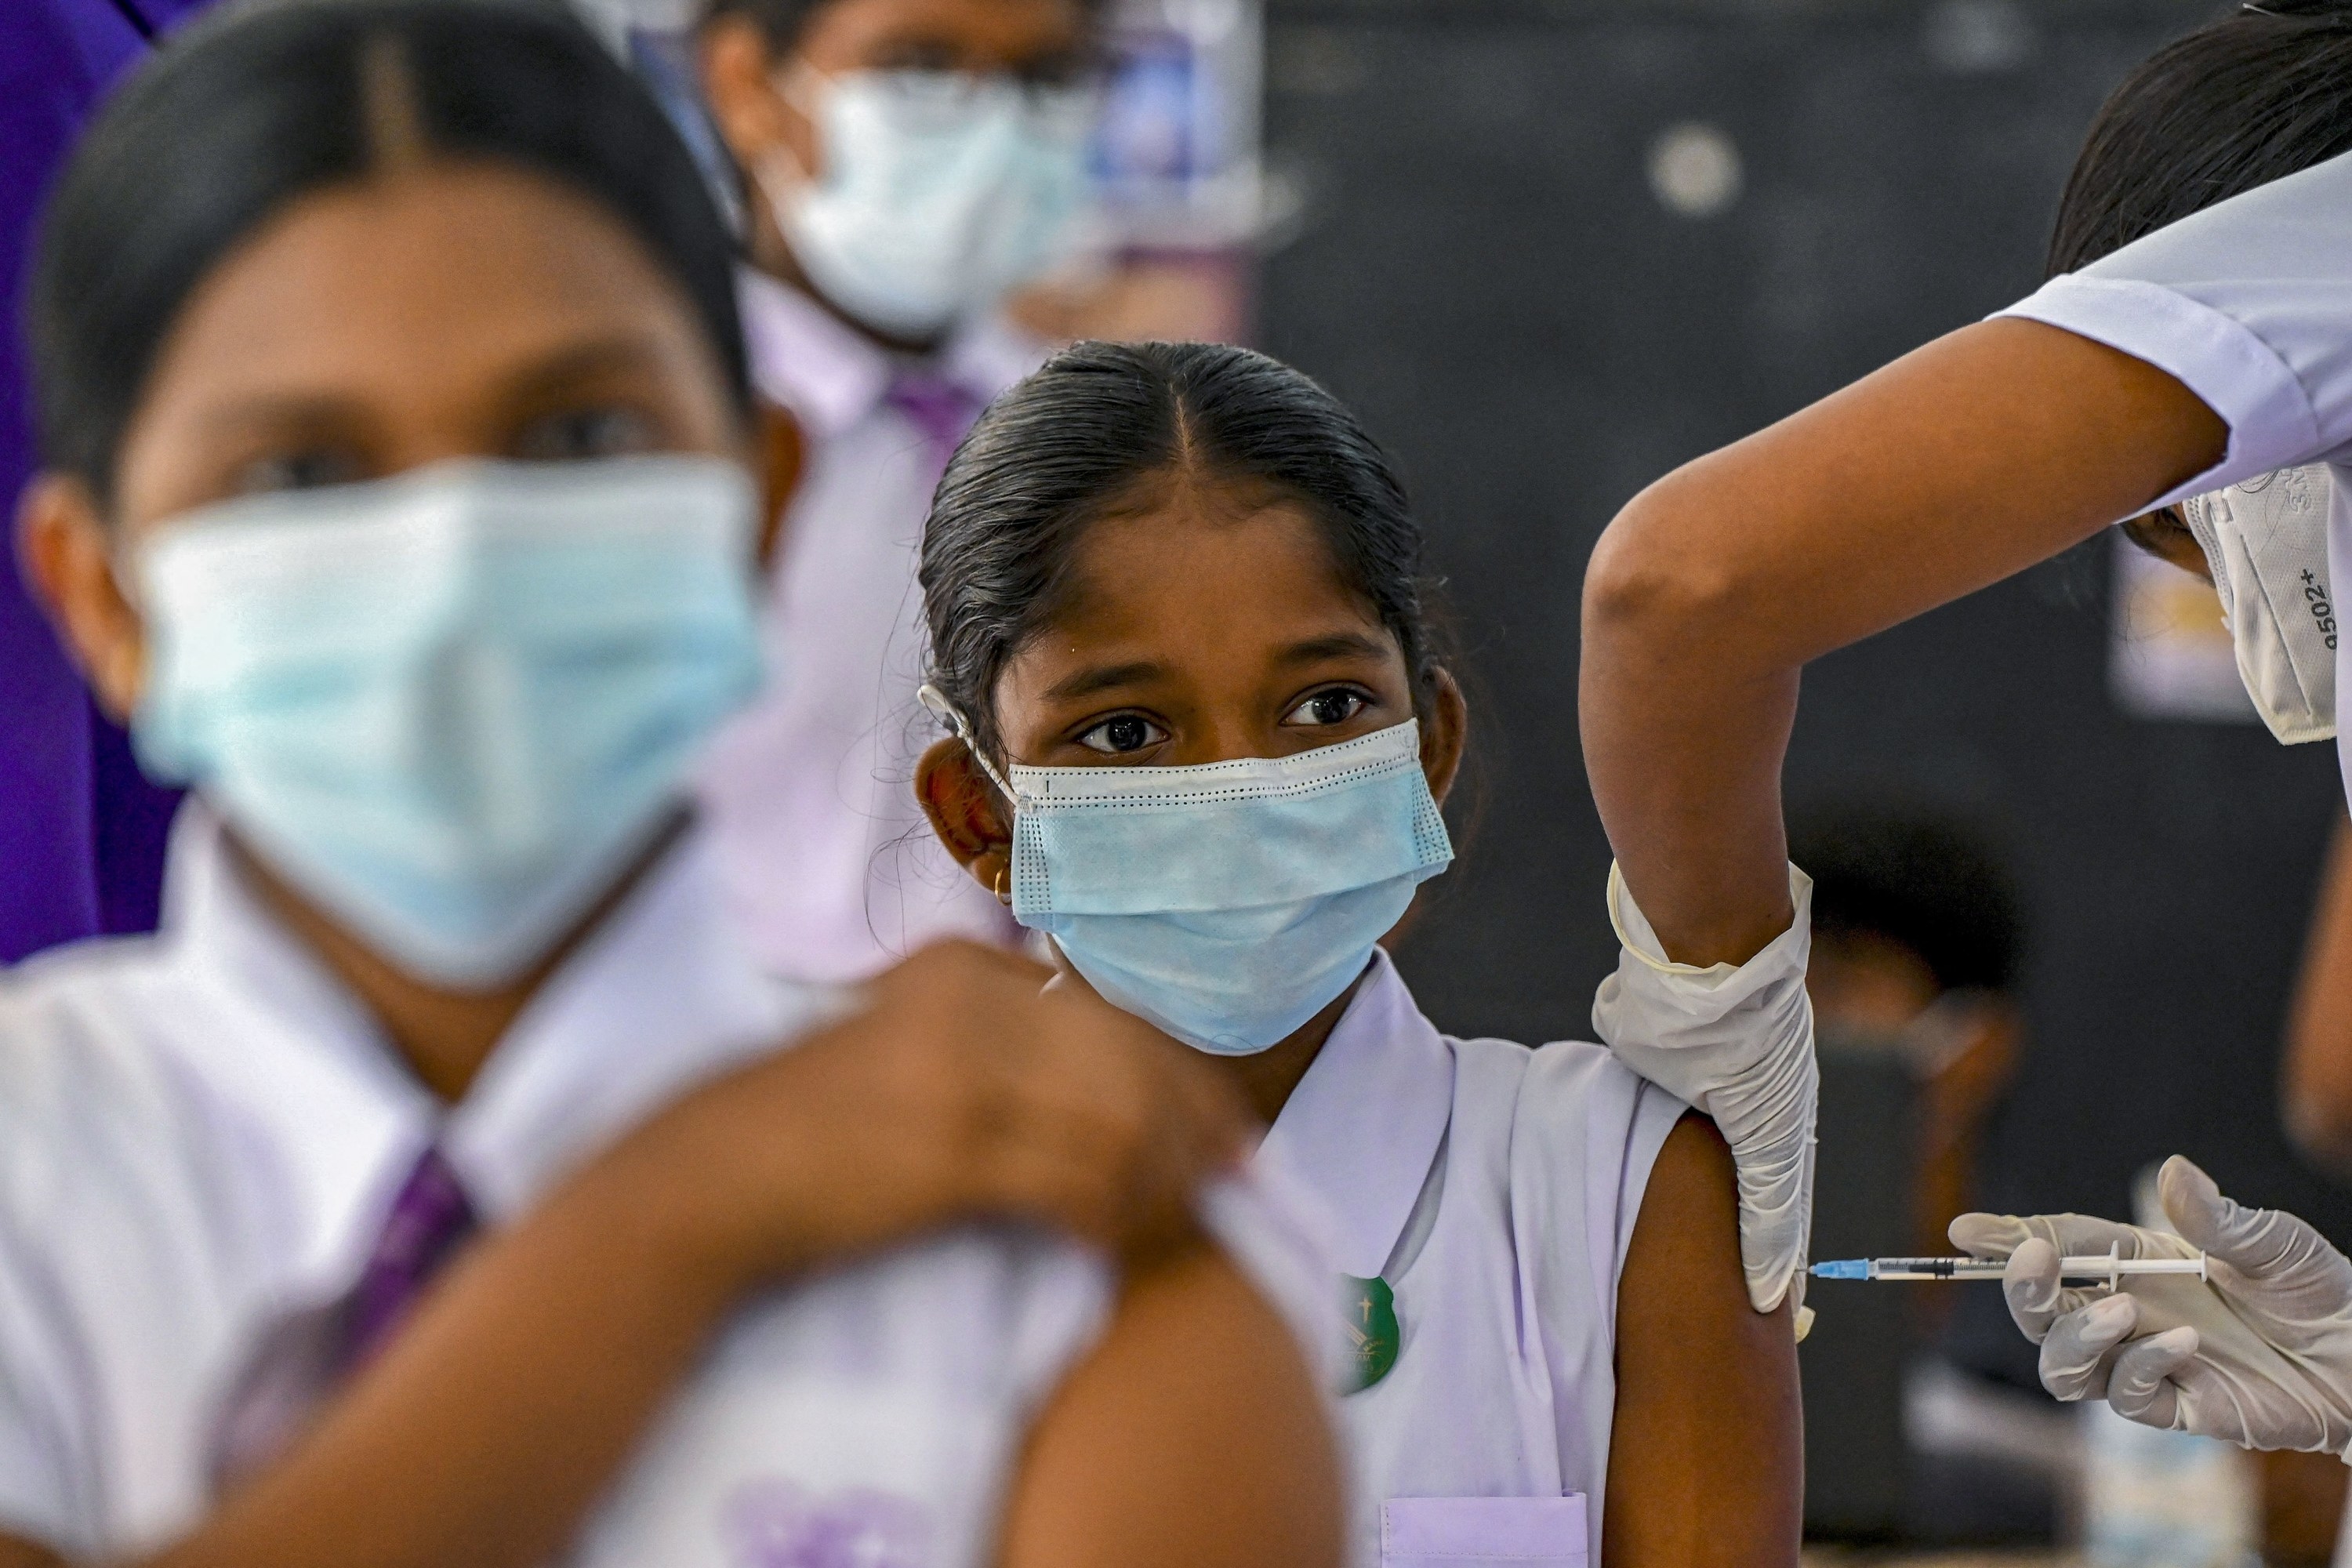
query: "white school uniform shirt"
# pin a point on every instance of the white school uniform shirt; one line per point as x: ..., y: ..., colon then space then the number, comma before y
x: 829, y: 863
x: 1494, y: 1188
x: 2248, y: 303
x: 200, y: 1135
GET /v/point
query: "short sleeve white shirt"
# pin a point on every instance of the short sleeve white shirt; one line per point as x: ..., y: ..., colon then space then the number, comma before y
x: 1494, y: 1189
x: 2248, y: 303
x: 201, y: 1132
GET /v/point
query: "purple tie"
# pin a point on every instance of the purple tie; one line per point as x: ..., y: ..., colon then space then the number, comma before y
x: 301, y: 1361
x: 429, y: 1220
x: 940, y: 408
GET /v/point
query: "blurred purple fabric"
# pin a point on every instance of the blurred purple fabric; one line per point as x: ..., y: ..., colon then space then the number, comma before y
x: 81, y: 833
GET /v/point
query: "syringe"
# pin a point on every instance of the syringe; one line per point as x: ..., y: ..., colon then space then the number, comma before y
x: 2103, y: 1270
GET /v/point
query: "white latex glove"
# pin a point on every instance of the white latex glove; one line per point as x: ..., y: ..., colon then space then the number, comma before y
x: 2261, y: 1355
x: 1737, y: 1044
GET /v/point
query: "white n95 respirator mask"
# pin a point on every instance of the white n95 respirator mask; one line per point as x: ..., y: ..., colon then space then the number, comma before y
x: 1228, y: 904
x: 450, y: 707
x: 941, y: 191
x: 2265, y: 543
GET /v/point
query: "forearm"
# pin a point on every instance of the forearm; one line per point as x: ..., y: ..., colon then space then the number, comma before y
x: 1975, y: 457
x: 494, y: 1420
x: 1685, y: 756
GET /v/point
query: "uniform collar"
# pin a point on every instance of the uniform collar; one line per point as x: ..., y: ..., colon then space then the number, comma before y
x: 659, y: 995
x: 1362, y: 1127
x: 832, y: 376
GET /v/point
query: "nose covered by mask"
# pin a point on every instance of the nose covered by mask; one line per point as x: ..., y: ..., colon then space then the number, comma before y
x: 1230, y: 902
x: 450, y: 707
x: 2265, y: 543
x: 938, y: 195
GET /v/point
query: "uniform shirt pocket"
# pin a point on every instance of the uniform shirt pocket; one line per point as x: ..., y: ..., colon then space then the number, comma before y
x: 1483, y: 1533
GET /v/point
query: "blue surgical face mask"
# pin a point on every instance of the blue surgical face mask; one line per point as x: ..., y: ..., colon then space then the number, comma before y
x: 451, y: 707
x: 1229, y: 903
x: 941, y: 191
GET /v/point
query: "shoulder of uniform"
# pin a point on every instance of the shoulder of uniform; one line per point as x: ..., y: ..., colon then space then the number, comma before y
x: 1570, y: 1090
x: 75, y: 1061
x: 1546, y: 1072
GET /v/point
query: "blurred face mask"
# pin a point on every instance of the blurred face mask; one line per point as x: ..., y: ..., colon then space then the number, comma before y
x: 942, y: 192
x: 1228, y: 904
x: 452, y: 706
x: 2265, y: 543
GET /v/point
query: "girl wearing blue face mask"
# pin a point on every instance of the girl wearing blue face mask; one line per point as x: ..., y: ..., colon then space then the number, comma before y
x: 434, y: 1188
x: 1200, y: 739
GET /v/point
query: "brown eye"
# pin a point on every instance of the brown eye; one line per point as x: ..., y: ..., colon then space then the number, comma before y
x: 584, y: 434
x: 305, y: 470
x: 1126, y: 732
x: 1336, y: 706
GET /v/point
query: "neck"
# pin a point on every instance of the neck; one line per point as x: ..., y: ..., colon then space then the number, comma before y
x: 445, y: 1035
x: 1269, y: 1079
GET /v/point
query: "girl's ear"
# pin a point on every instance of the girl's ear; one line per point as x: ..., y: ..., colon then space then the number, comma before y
x: 781, y: 453
x: 738, y: 72
x: 967, y: 813
x: 1444, y: 736
x: 62, y: 542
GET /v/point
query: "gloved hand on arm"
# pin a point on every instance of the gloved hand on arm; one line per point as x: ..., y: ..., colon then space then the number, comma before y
x: 1737, y: 1043
x: 2260, y: 1354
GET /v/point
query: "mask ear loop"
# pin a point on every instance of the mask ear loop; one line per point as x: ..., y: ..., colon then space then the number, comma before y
x: 932, y: 697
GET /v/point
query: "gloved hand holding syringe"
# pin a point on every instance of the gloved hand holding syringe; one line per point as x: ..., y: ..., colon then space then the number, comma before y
x: 2256, y: 1351
x: 2104, y: 1268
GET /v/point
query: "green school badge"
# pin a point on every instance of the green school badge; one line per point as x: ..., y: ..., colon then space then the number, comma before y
x: 1372, y: 1335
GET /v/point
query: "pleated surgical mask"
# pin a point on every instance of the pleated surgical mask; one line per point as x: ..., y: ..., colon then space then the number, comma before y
x: 2265, y: 543
x: 940, y: 192
x: 1229, y: 902
x: 450, y: 707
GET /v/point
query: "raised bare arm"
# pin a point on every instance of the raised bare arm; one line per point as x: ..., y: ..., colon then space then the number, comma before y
x: 1968, y: 461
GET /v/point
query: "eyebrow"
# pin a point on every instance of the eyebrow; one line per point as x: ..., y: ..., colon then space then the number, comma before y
x: 276, y: 410
x: 601, y: 356
x: 1338, y: 645
x: 1105, y: 677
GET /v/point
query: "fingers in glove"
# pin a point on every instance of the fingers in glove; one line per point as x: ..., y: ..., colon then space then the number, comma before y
x: 1989, y: 1235
x: 2222, y: 1226
x: 2140, y: 1384
x: 2077, y: 1348
x: 2031, y: 1288
x: 2074, y: 1234
x: 2256, y: 1242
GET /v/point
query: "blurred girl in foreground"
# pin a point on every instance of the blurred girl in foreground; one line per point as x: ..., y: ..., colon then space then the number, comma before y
x: 396, y: 432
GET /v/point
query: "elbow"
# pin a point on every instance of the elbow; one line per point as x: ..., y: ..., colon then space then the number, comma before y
x: 1654, y: 588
